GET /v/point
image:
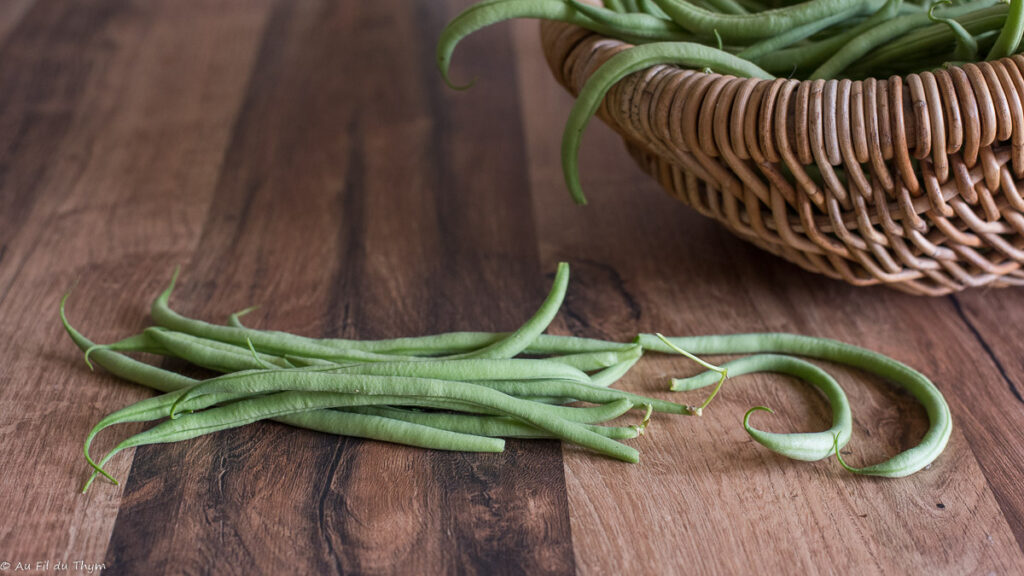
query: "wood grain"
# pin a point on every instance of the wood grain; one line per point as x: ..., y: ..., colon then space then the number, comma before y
x: 304, y: 156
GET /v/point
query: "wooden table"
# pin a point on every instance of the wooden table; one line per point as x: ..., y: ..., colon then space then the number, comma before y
x: 306, y: 157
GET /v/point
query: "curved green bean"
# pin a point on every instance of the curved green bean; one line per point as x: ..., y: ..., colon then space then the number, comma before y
x: 877, y: 36
x: 931, y: 38
x: 639, y: 24
x: 799, y: 446
x: 1009, y: 37
x: 489, y: 12
x: 966, y: 45
x: 212, y: 354
x: 793, y: 35
x: 743, y: 28
x: 801, y: 57
x: 285, y: 344
x: 621, y: 65
x: 919, y: 386
x: 519, y: 340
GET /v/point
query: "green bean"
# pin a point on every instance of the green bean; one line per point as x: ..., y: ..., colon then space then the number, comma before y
x: 590, y: 361
x: 649, y: 7
x: 271, y: 406
x: 1009, y: 38
x: 639, y: 24
x: 583, y: 392
x: 255, y: 382
x: 519, y: 340
x: 285, y: 344
x: 799, y: 446
x: 870, y: 39
x: 484, y: 14
x: 799, y: 57
x: 612, y: 374
x: 928, y: 39
x: 453, y: 343
x: 324, y: 421
x: 158, y: 407
x: 492, y: 426
x: 211, y: 354
x: 276, y: 343
x: 727, y: 7
x: 146, y: 411
x: 136, y: 343
x: 966, y: 45
x: 432, y: 370
x: 793, y: 35
x: 471, y: 369
x: 744, y: 28
x: 919, y: 386
x: 623, y: 64
x: 614, y: 5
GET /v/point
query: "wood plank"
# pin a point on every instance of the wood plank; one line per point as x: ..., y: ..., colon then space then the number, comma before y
x: 101, y: 186
x: 11, y: 13
x: 366, y: 203
x: 705, y: 496
x: 994, y: 318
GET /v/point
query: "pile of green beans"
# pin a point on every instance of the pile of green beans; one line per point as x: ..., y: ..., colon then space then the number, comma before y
x: 466, y: 391
x: 816, y: 39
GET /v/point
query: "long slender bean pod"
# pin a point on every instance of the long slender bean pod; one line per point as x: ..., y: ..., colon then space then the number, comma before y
x: 590, y: 361
x: 273, y: 406
x: 742, y: 28
x: 800, y: 57
x: 612, y: 374
x: 212, y: 354
x: 492, y: 426
x: 639, y: 24
x: 966, y: 45
x: 621, y: 65
x: 1009, y: 37
x: 793, y: 35
x: 484, y: 14
x: 519, y: 340
x: 285, y: 344
x: 471, y: 369
x: 256, y: 382
x: 919, y: 386
x: 583, y: 392
x: 454, y: 343
x: 324, y: 421
x: 799, y: 446
x: 877, y: 36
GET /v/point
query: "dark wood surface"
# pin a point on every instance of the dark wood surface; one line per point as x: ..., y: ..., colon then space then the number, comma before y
x: 306, y: 157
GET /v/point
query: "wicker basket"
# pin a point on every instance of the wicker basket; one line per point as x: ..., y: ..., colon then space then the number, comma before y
x: 919, y: 174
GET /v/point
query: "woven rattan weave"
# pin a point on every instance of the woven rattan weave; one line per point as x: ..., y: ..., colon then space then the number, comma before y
x: 914, y: 181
